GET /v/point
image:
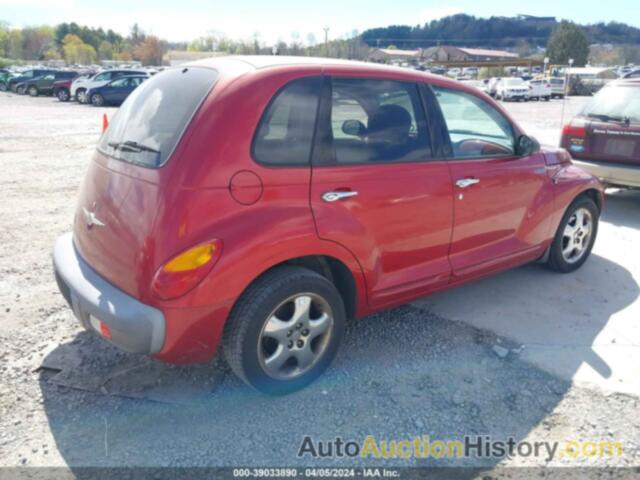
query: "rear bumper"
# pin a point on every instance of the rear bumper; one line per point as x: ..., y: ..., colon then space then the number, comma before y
x: 135, y: 327
x: 613, y: 173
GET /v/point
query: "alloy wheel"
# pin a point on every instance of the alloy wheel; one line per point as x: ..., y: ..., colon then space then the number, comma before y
x: 577, y: 235
x: 295, y: 336
x: 97, y: 100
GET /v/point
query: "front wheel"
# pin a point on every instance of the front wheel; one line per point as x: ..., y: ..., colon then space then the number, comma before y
x: 284, y: 330
x: 81, y: 95
x: 97, y: 100
x: 575, y: 236
x: 20, y: 90
x: 63, y: 95
x: 3, y: 87
x: 33, y: 91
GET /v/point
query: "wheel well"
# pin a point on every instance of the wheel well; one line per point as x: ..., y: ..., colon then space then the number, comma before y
x: 336, y: 272
x: 594, y: 195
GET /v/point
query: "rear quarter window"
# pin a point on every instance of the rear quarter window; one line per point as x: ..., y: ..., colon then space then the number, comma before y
x: 285, y: 133
x: 150, y: 123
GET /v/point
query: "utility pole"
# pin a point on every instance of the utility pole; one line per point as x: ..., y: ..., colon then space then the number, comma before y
x: 326, y: 41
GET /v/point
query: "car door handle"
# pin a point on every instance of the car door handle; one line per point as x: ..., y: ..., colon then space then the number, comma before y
x: 335, y: 196
x: 466, y: 182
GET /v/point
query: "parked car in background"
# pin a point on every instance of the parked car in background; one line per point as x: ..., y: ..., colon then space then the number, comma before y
x: 632, y: 74
x: 604, y: 138
x: 5, y: 76
x: 175, y: 249
x: 558, y: 87
x: 438, y: 70
x: 479, y: 84
x: 512, y: 89
x: 539, y: 90
x: 61, y: 89
x: 44, y: 85
x: 492, y: 85
x: 26, y: 76
x: 116, y: 91
x: 80, y: 86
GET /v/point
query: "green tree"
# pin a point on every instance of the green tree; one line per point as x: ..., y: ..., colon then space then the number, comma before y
x: 76, y: 51
x: 567, y: 41
x: 105, y: 50
x: 4, y: 39
x: 15, y: 44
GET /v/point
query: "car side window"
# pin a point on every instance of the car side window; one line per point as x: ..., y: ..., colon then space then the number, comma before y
x: 373, y: 121
x: 476, y: 129
x: 103, y: 77
x: 285, y: 132
x: 119, y: 83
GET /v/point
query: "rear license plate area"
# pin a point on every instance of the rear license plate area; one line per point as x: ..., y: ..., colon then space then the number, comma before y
x: 618, y: 147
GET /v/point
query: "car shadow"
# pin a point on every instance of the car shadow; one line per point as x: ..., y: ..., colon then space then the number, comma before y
x: 400, y: 374
x: 622, y: 208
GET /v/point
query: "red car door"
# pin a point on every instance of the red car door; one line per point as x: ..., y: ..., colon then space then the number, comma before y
x: 377, y: 190
x: 501, y: 201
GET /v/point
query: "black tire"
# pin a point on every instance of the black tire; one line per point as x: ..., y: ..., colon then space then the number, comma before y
x: 547, y: 98
x: 63, y: 95
x: 80, y: 98
x: 556, y: 260
x: 243, y: 329
x: 3, y: 87
x: 97, y: 100
x: 33, y: 91
x: 20, y: 90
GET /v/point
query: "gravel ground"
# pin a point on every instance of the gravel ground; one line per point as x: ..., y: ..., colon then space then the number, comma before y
x: 67, y: 398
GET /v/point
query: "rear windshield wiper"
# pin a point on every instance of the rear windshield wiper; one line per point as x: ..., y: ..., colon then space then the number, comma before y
x: 131, y: 146
x: 606, y: 118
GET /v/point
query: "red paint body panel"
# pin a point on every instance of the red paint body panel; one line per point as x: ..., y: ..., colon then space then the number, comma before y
x: 398, y: 226
x: 506, y: 214
x: 405, y: 235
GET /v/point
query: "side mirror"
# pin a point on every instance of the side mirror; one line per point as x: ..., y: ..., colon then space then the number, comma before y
x: 526, y: 146
x: 354, y: 128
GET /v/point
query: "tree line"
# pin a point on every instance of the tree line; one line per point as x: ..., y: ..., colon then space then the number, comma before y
x: 470, y: 31
x: 76, y: 44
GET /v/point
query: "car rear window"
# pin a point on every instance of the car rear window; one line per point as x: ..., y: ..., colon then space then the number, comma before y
x: 149, y: 124
x: 617, y: 103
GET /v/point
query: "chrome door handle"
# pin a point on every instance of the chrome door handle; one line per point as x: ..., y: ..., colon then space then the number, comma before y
x: 335, y: 196
x: 466, y: 182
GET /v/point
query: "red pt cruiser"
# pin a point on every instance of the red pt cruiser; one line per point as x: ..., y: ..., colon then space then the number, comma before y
x: 257, y: 203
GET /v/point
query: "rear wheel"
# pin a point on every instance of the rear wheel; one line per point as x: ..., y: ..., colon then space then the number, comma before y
x: 81, y: 94
x: 33, y: 91
x: 284, y: 330
x: 63, y: 95
x: 97, y: 100
x: 20, y: 90
x: 575, y: 236
x: 3, y: 87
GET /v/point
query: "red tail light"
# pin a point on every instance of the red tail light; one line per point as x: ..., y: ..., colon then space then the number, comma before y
x: 570, y: 130
x: 186, y: 270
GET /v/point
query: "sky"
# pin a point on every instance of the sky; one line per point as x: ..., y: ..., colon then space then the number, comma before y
x: 273, y: 20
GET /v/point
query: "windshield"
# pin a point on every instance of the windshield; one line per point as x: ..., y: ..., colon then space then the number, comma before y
x: 151, y: 121
x: 618, y: 103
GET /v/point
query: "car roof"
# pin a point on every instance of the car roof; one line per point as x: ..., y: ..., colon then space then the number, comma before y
x: 260, y: 62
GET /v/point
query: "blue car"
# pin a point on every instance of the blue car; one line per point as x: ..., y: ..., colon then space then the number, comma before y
x: 116, y: 91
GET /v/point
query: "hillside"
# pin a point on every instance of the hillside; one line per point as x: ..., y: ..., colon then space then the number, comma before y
x: 472, y: 31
